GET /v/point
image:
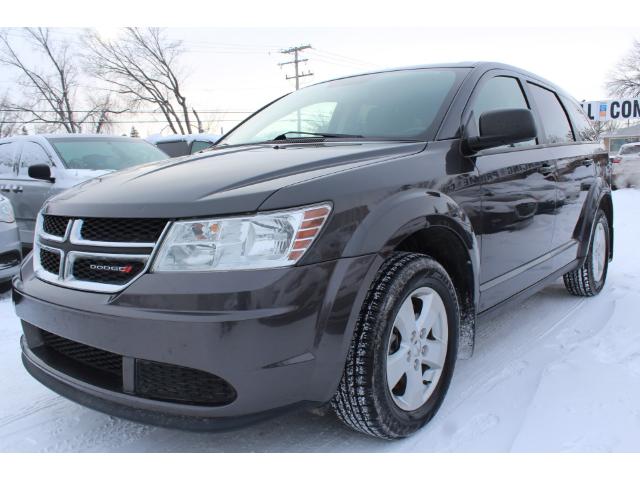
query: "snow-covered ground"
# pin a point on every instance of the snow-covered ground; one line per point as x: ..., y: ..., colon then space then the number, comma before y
x: 558, y: 373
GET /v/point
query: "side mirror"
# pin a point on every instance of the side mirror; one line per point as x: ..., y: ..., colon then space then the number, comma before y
x: 40, y: 171
x: 503, y: 127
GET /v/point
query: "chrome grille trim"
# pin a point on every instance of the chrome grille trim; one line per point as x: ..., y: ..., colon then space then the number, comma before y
x: 67, y: 258
x: 47, y: 236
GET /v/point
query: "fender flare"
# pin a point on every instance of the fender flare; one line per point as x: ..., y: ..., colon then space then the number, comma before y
x: 598, y: 193
x: 409, y: 212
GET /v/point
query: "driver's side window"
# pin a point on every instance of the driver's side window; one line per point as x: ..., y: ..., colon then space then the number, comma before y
x: 495, y: 94
x: 32, y: 154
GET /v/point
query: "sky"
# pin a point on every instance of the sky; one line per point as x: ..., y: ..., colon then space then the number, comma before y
x: 236, y: 69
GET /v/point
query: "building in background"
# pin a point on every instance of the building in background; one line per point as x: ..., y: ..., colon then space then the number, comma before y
x: 614, y: 140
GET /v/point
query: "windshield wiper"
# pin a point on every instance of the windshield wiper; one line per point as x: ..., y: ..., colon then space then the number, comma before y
x: 283, y: 136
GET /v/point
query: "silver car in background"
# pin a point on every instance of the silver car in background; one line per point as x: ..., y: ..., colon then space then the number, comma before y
x: 626, y: 166
x: 10, y: 248
x: 36, y: 167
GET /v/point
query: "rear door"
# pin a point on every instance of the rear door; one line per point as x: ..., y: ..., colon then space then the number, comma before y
x: 518, y: 198
x: 32, y: 192
x: 575, y: 160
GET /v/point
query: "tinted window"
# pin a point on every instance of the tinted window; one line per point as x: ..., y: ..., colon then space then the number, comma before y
x: 198, y: 145
x: 582, y: 126
x: 104, y: 154
x: 6, y: 159
x: 393, y: 105
x: 495, y: 94
x: 174, y: 149
x: 32, y: 154
x: 554, y: 118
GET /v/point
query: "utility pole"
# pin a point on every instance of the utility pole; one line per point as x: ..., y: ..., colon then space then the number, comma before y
x: 296, y: 61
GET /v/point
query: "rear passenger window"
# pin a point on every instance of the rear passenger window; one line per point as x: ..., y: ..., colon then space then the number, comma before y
x: 498, y: 93
x: 554, y: 118
x: 6, y: 159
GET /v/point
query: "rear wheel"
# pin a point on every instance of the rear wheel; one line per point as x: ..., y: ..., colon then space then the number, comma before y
x: 589, y: 279
x: 403, y: 350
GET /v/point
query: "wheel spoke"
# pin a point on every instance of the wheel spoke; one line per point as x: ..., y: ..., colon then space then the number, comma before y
x: 397, y: 366
x: 413, y: 396
x: 406, y: 319
x: 425, y: 319
x: 436, y: 354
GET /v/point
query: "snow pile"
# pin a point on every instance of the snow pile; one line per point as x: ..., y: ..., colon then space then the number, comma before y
x: 559, y: 373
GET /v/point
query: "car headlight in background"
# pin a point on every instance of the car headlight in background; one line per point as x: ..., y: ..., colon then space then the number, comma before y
x: 264, y: 240
x: 6, y: 211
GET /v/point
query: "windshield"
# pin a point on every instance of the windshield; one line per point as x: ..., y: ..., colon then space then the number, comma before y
x: 401, y: 105
x: 630, y: 149
x: 105, y: 153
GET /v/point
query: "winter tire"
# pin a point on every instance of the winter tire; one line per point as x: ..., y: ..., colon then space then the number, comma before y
x: 590, y: 278
x: 403, y: 350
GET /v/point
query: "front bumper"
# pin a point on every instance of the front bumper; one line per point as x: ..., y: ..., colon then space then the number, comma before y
x: 278, y: 337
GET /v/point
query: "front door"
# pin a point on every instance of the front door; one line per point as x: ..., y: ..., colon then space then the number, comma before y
x: 32, y: 192
x: 518, y: 198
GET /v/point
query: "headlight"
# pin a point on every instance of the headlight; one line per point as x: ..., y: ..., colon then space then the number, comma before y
x: 6, y: 211
x: 265, y: 240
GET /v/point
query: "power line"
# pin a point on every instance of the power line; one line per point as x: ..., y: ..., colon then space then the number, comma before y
x: 296, y: 62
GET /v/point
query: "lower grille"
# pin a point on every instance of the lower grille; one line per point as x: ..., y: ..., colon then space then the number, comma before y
x: 113, y: 272
x: 50, y: 261
x: 162, y: 381
x: 153, y: 380
x: 89, y: 356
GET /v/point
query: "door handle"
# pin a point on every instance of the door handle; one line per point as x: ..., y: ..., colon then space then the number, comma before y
x: 17, y: 189
x: 587, y: 162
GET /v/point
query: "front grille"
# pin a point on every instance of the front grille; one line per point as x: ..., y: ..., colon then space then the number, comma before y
x: 113, y: 272
x: 122, y: 230
x: 96, y: 358
x: 50, y: 261
x: 10, y: 259
x: 162, y: 381
x: 54, y: 225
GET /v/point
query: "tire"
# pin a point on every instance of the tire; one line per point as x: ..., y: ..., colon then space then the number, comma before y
x: 364, y: 401
x: 589, y: 279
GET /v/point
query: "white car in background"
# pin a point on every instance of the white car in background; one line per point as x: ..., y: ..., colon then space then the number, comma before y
x: 180, y: 145
x: 626, y: 166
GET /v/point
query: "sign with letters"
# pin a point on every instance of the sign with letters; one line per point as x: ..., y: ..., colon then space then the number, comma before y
x: 619, y: 109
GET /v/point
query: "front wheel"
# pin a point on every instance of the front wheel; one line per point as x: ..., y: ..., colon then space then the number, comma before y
x: 403, y: 350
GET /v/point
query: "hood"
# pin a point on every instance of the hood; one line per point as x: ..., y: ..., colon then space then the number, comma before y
x: 226, y: 181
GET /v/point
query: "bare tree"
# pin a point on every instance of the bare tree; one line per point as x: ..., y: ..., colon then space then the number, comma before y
x: 9, y: 118
x: 51, y: 86
x: 625, y: 78
x: 142, y: 65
